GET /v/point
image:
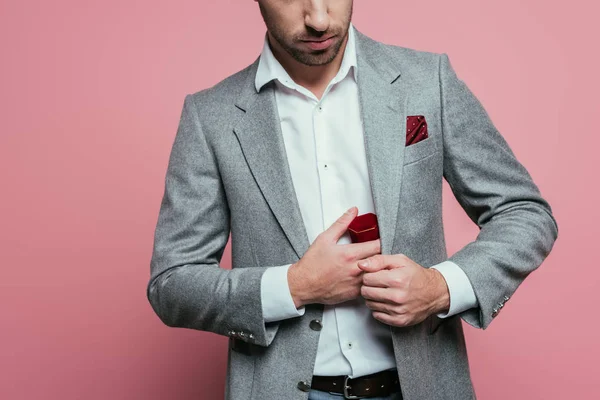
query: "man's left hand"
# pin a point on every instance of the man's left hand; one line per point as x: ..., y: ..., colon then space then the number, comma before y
x: 401, y: 292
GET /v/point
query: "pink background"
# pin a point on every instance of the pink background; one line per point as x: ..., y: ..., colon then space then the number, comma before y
x: 90, y: 98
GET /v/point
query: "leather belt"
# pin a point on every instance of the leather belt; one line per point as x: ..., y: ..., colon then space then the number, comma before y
x: 379, y: 384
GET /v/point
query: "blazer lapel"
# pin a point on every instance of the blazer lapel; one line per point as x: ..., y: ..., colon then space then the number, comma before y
x: 382, y: 94
x: 259, y: 134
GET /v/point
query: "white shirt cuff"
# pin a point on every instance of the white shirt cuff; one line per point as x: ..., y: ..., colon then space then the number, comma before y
x: 277, y: 302
x: 462, y: 295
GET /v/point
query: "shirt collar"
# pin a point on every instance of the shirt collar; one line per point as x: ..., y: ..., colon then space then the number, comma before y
x: 269, y: 68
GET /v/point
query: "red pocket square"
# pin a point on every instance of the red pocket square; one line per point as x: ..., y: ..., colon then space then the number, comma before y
x: 364, y: 228
x: 416, y: 129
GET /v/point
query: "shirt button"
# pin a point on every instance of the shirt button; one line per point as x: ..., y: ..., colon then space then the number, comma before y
x: 304, y: 386
x: 350, y: 345
x: 316, y: 325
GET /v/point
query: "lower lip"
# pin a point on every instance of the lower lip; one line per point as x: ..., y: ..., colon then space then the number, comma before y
x: 320, y: 45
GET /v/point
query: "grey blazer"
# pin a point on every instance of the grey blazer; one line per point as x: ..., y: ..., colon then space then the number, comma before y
x: 228, y: 173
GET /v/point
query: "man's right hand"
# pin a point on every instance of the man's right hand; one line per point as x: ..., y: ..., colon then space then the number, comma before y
x: 328, y: 272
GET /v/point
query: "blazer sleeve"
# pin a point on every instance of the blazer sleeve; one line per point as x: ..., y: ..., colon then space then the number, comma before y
x: 187, y: 287
x: 517, y: 228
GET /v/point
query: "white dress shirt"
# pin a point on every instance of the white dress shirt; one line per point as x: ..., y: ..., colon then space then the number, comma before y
x: 326, y: 154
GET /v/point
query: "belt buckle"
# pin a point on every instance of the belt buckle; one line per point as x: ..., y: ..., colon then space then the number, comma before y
x: 346, y: 387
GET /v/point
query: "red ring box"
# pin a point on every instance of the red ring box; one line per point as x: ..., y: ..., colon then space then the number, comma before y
x: 364, y: 228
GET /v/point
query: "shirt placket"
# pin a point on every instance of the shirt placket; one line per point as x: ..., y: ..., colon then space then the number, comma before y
x: 322, y: 157
x: 324, y: 140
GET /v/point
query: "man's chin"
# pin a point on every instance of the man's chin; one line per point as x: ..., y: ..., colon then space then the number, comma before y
x: 315, y: 58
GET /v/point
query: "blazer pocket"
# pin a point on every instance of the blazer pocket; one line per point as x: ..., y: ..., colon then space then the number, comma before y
x: 419, y: 150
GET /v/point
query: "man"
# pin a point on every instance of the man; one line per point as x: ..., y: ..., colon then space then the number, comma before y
x: 275, y: 154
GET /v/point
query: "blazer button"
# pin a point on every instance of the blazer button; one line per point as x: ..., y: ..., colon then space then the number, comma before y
x: 494, y: 313
x: 316, y: 325
x: 506, y: 298
x: 304, y: 386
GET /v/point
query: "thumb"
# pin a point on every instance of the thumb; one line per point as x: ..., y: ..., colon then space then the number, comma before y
x: 340, y: 226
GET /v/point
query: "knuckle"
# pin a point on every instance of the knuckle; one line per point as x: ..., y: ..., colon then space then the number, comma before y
x: 398, y: 310
x: 364, y: 291
x: 397, y: 281
x: 397, y: 298
x: 366, y: 280
x: 381, y: 316
x: 349, y: 255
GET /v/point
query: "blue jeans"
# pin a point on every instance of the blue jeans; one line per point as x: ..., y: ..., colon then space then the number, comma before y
x: 319, y: 395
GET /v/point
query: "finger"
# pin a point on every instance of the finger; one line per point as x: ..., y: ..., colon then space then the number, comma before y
x: 375, y: 293
x: 381, y: 279
x: 383, y: 317
x: 374, y: 263
x: 390, y: 261
x: 380, y: 306
x: 363, y: 250
x: 340, y: 226
x: 396, y: 320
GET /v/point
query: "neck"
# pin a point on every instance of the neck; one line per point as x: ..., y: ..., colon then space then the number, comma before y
x: 314, y: 78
